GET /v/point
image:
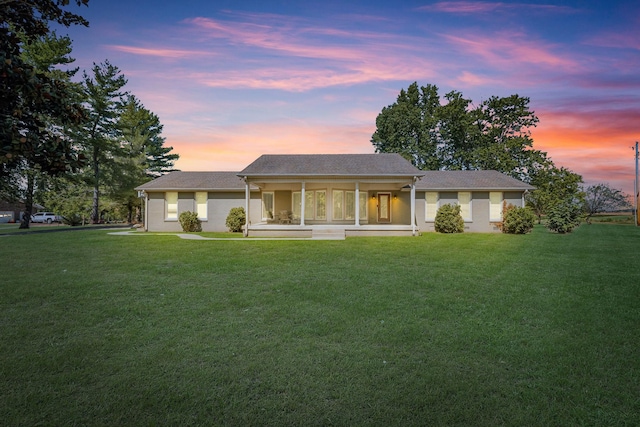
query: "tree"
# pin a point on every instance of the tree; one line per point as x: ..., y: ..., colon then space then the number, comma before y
x: 456, y: 136
x: 142, y: 154
x: 101, y: 133
x: 27, y: 94
x: 45, y: 54
x: 553, y: 186
x: 70, y: 197
x: 564, y: 217
x: 409, y: 127
x: 602, y: 198
x: 504, y: 140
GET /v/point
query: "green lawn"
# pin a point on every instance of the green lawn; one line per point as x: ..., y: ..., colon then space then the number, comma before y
x: 469, y: 330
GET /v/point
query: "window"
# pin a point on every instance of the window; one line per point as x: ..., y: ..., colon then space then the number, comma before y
x: 495, y: 206
x: 364, y: 200
x: 309, y: 205
x: 350, y: 205
x: 338, y: 204
x: 296, y: 204
x: 171, y: 204
x: 431, y: 205
x: 201, y: 204
x: 344, y: 205
x: 464, y: 199
x: 321, y: 204
x: 267, y: 205
x: 315, y: 204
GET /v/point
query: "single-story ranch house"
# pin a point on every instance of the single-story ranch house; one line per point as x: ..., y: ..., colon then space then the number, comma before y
x: 316, y: 194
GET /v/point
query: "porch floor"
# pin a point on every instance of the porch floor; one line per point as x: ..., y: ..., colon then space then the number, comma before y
x: 320, y: 231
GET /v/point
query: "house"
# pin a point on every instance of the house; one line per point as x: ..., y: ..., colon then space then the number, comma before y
x: 12, y: 211
x: 312, y: 195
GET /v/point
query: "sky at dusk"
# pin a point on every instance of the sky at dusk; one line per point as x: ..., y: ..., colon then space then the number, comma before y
x: 231, y: 80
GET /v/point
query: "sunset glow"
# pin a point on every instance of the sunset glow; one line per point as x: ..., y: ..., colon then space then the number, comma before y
x: 231, y: 80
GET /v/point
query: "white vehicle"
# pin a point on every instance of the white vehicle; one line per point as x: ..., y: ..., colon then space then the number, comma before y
x: 47, y: 217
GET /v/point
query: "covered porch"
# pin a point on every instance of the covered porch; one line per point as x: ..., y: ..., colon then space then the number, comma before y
x: 312, y: 208
x: 348, y: 195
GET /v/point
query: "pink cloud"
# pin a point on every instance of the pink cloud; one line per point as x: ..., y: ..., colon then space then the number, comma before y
x: 621, y: 40
x: 506, y: 49
x: 164, y: 53
x: 468, y: 79
x: 477, y: 7
x: 298, y: 41
x: 307, y: 57
x: 296, y: 79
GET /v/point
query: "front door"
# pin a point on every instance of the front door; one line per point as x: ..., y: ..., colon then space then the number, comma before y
x: 384, y: 207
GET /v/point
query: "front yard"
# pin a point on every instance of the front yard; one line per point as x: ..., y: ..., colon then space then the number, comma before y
x: 467, y: 329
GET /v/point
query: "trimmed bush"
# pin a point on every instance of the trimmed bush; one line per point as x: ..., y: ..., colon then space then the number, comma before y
x: 449, y: 220
x: 236, y: 219
x: 564, y: 217
x: 190, y: 222
x: 517, y: 220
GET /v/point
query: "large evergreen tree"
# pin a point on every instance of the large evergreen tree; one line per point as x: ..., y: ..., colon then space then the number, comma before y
x: 29, y: 96
x: 142, y: 153
x: 45, y: 54
x: 101, y: 134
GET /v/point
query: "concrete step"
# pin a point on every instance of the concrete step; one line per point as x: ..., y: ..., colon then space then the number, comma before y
x: 328, y: 234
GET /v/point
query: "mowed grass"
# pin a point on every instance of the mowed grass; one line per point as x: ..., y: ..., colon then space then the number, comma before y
x: 469, y: 329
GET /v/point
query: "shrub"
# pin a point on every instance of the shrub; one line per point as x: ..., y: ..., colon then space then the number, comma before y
x: 449, y: 220
x: 236, y: 219
x: 190, y: 222
x: 73, y: 219
x: 563, y: 217
x: 517, y: 220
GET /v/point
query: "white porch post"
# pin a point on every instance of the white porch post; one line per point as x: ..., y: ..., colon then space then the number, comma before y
x: 357, y: 204
x: 247, y: 200
x: 146, y: 211
x: 302, y: 196
x: 413, y: 207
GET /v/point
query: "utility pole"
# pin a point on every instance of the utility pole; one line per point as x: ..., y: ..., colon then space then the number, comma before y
x: 636, y: 190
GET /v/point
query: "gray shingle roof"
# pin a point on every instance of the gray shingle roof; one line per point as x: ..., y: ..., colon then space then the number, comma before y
x: 469, y: 180
x: 370, y: 165
x: 330, y: 165
x: 179, y: 180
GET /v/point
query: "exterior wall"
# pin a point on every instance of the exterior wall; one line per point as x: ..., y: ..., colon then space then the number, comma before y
x: 220, y: 203
x: 218, y: 207
x: 480, y: 208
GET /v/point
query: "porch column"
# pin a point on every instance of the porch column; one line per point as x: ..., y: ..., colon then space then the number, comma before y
x: 357, y: 204
x: 145, y: 218
x: 247, y: 200
x: 302, y: 203
x: 413, y: 206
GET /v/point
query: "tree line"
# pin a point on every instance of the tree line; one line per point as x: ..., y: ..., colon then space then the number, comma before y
x: 77, y: 147
x: 451, y: 133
